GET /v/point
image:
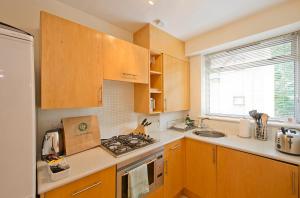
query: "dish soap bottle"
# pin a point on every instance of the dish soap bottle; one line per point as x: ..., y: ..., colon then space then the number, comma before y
x: 188, y: 121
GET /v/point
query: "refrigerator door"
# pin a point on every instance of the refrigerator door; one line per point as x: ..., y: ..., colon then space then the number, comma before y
x: 17, y: 116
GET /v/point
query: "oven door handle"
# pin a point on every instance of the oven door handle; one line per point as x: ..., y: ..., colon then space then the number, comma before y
x: 127, y: 170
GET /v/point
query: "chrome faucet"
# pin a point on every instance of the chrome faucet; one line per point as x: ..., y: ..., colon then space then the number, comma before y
x: 201, y: 124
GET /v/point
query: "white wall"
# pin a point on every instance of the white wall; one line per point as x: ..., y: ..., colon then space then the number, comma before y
x: 117, y: 113
x: 116, y: 116
x: 276, y: 20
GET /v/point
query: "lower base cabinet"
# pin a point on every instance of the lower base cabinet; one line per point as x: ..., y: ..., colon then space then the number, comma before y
x: 243, y: 175
x: 100, y: 185
x: 158, y: 193
x: 200, y: 169
x: 174, y: 168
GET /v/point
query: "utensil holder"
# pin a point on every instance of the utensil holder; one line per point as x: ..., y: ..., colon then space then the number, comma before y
x: 260, y: 132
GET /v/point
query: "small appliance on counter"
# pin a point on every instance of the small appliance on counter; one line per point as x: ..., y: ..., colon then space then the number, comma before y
x: 288, y: 141
x: 52, y: 145
x: 244, y: 128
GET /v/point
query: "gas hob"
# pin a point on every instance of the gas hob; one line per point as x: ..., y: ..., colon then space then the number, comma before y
x: 122, y: 144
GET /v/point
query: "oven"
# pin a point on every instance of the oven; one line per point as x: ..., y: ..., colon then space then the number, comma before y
x: 155, y: 167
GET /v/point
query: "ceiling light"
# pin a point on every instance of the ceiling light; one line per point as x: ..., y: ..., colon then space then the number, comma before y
x: 151, y: 2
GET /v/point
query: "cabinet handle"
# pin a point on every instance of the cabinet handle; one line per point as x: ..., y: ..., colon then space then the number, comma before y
x: 166, y: 164
x: 129, y: 76
x: 87, y: 188
x: 293, y: 182
x: 100, y: 94
x: 165, y: 105
x: 175, y: 147
x: 214, y: 155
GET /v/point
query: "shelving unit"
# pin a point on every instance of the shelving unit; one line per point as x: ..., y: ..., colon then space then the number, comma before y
x: 152, y: 90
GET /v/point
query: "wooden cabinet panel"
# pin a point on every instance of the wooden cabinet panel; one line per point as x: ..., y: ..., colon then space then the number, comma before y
x: 245, y: 175
x: 100, y: 185
x: 157, y: 40
x: 71, y: 67
x: 174, y: 168
x: 125, y: 61
x: 158, y: 193
x: 201, y: 168
x: 176, y: 84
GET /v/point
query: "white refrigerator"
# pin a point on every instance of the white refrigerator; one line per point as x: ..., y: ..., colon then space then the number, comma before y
x: 17, y: 114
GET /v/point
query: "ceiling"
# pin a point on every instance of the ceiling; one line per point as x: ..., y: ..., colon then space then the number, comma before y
x: 182, y: 18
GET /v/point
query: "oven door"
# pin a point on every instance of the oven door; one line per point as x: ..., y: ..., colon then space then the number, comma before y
x: 155, y: 175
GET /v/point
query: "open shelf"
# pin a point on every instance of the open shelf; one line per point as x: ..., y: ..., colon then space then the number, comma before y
x: 156, y: 63
x: 158, y: 97
x: 153, y: 90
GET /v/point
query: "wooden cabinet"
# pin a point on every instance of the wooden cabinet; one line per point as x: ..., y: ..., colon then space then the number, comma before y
x: 169, y: 73
x: 158, y: 193
x: 71, y: 65
x: 245, y: 175
x: 200, y: 169
x: 124, y: 61
x: 159, y: 41
x: 100, y: 185
x: 174, y: 168
x: 176, y: 84
x: 144, y: 93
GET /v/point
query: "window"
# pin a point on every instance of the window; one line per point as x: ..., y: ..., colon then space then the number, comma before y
x: 263, y: 76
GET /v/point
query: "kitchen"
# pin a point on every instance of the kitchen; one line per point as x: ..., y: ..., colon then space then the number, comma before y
x: 118, y: 71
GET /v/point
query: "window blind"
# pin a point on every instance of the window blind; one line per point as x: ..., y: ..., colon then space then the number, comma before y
x: 263, y: 75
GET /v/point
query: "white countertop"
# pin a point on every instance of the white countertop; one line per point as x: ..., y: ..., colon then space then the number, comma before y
x: 249, y: 145
x: 94, y: 160
x: 97, y: 159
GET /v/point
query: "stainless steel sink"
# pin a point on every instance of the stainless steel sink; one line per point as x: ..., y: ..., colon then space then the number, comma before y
x: 207, y: 133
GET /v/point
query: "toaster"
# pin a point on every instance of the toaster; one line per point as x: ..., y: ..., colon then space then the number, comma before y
x: 288, y: 141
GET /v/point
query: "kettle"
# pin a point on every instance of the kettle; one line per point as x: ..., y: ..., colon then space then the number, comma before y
x: 288, y: 141
x: 52, y: 143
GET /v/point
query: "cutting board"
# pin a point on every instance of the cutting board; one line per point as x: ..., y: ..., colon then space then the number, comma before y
x: 81, y: 133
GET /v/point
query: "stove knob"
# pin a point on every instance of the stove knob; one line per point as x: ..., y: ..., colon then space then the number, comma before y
x: 278, y: 146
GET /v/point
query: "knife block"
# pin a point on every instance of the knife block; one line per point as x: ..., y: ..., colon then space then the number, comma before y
x: 140, y: 129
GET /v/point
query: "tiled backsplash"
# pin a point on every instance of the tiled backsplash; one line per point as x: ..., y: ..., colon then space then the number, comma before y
x: 115, y: 117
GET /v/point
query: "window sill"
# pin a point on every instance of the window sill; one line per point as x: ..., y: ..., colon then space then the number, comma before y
x: 237, y: 120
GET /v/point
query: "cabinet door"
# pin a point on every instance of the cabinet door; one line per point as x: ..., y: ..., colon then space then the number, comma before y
x: 174, y: 168
x: 100, y: 185
x: 176, y: 84
x: 201, y: 169
x: 245, y: 175
x: 158, y: 193
x: 71, y: 68
x: 125, y: 61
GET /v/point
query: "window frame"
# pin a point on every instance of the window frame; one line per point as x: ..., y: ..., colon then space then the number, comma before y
x: 205, y: 85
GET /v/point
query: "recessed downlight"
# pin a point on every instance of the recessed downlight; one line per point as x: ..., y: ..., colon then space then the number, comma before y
x: 159, y: 22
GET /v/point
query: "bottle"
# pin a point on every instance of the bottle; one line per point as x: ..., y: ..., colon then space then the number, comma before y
x: 188, y: 120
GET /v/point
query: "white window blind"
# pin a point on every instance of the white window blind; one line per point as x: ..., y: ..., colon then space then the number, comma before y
x: 263, y: 75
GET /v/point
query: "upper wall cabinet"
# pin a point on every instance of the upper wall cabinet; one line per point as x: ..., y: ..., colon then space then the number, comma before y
x: 168, y: 88
x: 71, y: 65
x: 124, y: 61
x: 159, y: 41
x: 176, y: 84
